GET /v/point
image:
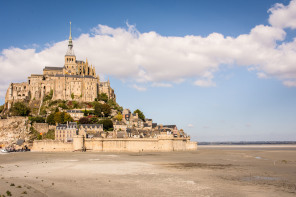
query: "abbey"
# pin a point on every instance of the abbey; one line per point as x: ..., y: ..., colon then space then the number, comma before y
x: 76, y: 80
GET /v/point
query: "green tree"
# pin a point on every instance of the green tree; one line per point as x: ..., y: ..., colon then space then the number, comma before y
x: 103, y: 97
x: 106, y: 109
x: 85, y: 112
x: 84, y: 120
x: 67, y: 118
x: 58, y: 117
x: 98, y: 109
x: 37, y: 119
x: 76, y: 105
x: 140, y: 114
x: 72, y: 96
x: 107, y: 124
x: 118, y: 116
x: 50, y: 119
x: 63, y: 106
x: 20, y: 109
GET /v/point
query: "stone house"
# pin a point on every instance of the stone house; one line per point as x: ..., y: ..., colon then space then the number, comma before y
x: 65, y: 132
x: 119, y: 126
x: 76, y: 114
x: 91, y: 130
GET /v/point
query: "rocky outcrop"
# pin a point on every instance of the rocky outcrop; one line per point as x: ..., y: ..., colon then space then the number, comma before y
x: 14, y: 128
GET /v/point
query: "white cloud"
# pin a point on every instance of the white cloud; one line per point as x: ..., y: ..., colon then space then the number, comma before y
x: 166, y: 85
x: 204, y: 83
x: 190, y: 125
x: 283, y: 16
x: 290, y: 83
x: 139, y: 88
x: 261, y: 75
x: 154, y: 60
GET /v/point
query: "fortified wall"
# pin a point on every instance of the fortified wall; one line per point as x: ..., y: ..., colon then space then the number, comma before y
x: 160, y: 144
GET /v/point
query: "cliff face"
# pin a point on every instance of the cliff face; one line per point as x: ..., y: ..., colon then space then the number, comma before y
x: 12, y: 129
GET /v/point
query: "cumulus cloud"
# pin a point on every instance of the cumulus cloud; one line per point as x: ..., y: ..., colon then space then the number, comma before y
x: 283, y: 16
x: 152, y: 60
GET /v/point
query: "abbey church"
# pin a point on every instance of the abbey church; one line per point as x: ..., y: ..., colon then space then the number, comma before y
x: 76, y: 80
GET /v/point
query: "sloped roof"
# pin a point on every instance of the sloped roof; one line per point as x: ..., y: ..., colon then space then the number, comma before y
x: 91, y: 125
x: 53, y: 68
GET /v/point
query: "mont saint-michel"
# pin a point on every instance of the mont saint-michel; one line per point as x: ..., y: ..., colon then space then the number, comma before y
x: 69, y: 108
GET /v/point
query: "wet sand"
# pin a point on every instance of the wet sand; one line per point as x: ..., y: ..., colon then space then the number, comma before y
x: 209, y: 171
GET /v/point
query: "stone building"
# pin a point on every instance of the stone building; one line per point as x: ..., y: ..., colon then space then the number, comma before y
x: 65, y: 132
x: 76, y: 114
x: 76, y: 80
x: 91, y: 130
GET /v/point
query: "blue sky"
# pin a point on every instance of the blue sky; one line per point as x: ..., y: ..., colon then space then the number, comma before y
x: 241, y: 97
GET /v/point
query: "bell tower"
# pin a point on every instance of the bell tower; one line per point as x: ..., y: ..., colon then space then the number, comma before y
x: 70, y: 58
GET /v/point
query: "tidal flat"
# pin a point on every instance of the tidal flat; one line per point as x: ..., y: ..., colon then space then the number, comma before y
x: 209, y: 171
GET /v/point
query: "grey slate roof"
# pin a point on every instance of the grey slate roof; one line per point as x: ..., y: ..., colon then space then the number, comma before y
x: 74, y: 111
x: 53, y: 68
x: 65, y: 126
x: 170, y: 126
x: 75, y: 76
x: 91, y: 125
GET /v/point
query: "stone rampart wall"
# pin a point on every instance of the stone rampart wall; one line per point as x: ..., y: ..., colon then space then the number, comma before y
x: 117, y: 145
x: 51, y: 146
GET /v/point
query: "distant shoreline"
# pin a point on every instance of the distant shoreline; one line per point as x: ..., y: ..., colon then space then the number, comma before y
x: 250, y: 143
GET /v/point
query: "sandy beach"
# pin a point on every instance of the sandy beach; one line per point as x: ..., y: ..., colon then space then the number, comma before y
x: 209, y: 171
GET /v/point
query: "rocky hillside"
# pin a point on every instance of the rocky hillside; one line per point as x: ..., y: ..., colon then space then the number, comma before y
x: 14, y: 128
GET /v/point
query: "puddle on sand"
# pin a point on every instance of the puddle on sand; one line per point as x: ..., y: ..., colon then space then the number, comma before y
x: 258, y: 157
x: 257, y: 178
x: 69, y: 160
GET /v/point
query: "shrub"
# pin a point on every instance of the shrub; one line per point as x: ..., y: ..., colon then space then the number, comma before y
x: 84, y: 120
x: 37, y: 119
x: 63, y: 106
x: 20, y: 109
x: 59, y: 117
x: 103, y: 97
x: 8, y: 193
x: 1, y: 108
x: 35, y: 135
x: 118, y: 116
x: 107, y: 124
x: 140, y: 114
x: 48, y: 96
x: 50, y: 134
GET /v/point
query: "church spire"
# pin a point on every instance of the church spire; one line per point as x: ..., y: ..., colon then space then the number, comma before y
x: 70, y: 51
x: 70, y: 37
